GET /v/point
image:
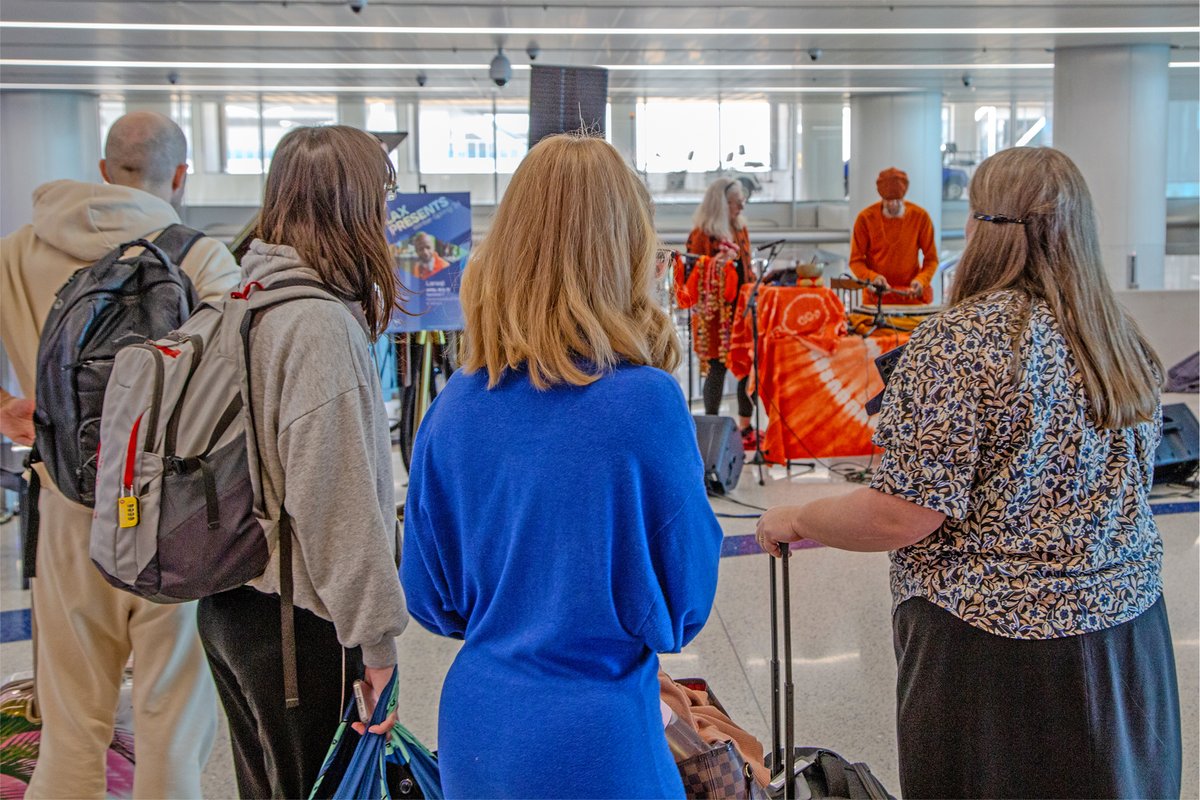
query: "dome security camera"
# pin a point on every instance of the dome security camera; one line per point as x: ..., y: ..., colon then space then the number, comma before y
x: 814, y: 53
x: 967, y: 80
x: 533, y: 51
x: 500, y: 70
x: 172, y: 77
x: 357, y: 5
x: 422, y: 79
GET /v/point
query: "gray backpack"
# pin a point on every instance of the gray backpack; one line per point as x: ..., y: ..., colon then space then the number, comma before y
x: 179, y: 502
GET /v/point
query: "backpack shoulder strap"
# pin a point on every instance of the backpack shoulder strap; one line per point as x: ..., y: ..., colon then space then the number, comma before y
x: 265, y: 298
x: 176, y: 242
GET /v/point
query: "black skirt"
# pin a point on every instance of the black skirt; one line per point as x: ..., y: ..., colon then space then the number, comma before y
x: 980, y: 715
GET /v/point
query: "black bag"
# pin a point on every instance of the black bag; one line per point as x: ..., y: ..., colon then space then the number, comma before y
x: 102, y: 308
x: 828, y: 775
x: 825, y: 773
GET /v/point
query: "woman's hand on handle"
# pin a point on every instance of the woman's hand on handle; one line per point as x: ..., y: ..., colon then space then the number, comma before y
x: 374, y: 682
x: 864, y: 520
x: 776, y: 526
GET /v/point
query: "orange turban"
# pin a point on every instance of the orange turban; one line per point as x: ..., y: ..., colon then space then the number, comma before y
x: 892, y: 184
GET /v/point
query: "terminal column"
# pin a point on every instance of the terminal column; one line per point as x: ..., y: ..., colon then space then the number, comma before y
x: 1110, y: 117
x: 48, y: 135
x: 821, y: 152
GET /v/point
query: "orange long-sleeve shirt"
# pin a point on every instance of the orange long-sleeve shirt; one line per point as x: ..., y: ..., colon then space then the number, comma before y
x: 889, y: 246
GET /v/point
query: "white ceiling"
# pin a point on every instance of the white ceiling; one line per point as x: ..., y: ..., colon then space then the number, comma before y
x: 1006, y: 47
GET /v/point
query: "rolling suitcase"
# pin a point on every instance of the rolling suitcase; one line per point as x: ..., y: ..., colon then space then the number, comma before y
x: 21, y: 733
x: 814, y: 772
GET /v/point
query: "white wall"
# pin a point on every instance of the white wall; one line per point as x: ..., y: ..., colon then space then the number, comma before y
x: 1169, y: 319
x: 46, y: 136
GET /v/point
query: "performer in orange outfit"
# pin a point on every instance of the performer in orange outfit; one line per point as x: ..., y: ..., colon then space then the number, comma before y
x: 721, y: 234
x: 887, y: 238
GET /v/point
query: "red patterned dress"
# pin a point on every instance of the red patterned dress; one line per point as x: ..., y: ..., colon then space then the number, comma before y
x: 716, y: 287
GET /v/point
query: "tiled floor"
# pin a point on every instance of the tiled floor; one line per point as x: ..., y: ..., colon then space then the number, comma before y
x: 843, y: 664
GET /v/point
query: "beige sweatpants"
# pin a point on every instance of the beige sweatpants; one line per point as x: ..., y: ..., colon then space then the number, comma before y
x: 85, y: 632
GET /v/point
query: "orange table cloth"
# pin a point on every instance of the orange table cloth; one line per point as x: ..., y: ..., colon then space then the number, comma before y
x: 814, y: 379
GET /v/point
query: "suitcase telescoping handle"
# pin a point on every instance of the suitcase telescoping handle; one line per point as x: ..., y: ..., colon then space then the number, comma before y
x: 788, y: 752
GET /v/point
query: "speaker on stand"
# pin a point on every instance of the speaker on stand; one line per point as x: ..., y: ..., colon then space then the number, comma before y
x: 721, y: 450
x: 1178, y: 454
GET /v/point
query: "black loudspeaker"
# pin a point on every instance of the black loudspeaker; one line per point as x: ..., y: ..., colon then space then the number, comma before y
x: 566, y: 99
x: 721, y: 450
x: 1178, y: 454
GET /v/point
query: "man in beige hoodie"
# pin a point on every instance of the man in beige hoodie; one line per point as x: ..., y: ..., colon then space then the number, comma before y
x: 86, y: 629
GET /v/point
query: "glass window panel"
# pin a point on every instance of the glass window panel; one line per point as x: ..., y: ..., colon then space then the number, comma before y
x: 678, y: 136
x: 111, y: 109
x: 1183, y: 148
x: 282, y: 113
x: 381, y: 115
x: 466, y: 138
x: 512, y: 140
x: 746, y: 136
x: 210, y: 136
x: 181, y: 112
x: 845, y: 134
x: 243, y: 147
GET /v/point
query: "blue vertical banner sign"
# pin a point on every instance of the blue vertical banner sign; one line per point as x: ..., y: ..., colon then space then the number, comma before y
x: 430, y: 239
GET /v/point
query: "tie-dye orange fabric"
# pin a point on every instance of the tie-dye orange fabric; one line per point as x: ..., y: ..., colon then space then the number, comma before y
x: 815, y: 378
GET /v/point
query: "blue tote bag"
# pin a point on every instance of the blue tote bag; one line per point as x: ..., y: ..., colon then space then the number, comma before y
x: 381, y: 766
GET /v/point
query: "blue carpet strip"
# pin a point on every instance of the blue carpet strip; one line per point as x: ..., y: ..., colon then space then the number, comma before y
x: 15, y: 626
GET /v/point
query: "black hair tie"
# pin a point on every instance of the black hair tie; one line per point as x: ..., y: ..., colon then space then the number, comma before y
x: 1000, y: 219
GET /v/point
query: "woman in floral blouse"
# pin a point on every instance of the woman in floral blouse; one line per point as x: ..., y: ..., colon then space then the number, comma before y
x: 1019, y: 428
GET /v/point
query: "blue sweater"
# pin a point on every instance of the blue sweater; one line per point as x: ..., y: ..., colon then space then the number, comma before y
x: 566, y: 537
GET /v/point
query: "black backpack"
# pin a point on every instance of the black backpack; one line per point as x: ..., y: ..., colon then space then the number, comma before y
x: 828, y: 775
x: 113, y: 303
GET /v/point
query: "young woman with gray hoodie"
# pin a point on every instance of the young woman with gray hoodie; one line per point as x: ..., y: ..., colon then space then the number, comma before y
x: 324, y: 446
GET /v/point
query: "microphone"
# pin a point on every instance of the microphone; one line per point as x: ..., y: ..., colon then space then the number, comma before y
x: 752, y: 301
x: 770, y: 245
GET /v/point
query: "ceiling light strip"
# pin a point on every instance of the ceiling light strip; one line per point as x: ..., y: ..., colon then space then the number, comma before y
x: 251, y: 65
x: 282, y: 89
x: 814, y: 67
x: 364, y: 67
x: 550, y: 31
x: 361, y: 67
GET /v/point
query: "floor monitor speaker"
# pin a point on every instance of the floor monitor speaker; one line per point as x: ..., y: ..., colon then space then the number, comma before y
x: 1178, y: 453
x: 721, y: 450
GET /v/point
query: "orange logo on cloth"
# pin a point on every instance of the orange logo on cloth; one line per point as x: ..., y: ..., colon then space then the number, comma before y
x: 814, y: 314
x: 817, y: 315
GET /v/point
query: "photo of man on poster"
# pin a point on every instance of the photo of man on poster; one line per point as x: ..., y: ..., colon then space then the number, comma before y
x: 428, y: 261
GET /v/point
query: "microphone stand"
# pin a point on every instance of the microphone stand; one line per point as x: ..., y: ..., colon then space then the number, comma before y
x: 759, y: 459
x: 689, y: 264
x: 879, y: 320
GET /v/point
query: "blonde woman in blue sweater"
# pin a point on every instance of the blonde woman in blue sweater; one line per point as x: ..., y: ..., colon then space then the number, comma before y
x: 557, y: 520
